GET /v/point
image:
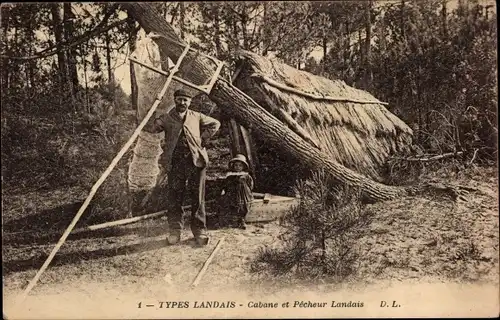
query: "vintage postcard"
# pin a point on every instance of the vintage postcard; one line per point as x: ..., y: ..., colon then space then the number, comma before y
x: 309, y: 159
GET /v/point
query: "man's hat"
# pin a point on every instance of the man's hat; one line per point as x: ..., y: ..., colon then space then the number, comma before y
x: 182, y: 93
x: 239, y: 157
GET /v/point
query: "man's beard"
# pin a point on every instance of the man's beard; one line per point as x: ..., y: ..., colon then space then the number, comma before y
x: 181, y: 109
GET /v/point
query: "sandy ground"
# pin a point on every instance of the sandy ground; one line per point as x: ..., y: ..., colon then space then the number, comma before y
x: 434, y: 258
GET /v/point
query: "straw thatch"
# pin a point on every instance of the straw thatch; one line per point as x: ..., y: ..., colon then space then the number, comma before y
x: 349, y: 124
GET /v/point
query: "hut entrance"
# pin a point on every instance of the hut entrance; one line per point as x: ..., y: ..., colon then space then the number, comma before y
x: 272, y: 173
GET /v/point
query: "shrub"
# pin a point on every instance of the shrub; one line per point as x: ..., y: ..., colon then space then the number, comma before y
x: 320, y: 233
x: 52, y: 145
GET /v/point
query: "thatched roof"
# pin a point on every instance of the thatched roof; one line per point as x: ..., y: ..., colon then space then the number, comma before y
x: 349, y: 124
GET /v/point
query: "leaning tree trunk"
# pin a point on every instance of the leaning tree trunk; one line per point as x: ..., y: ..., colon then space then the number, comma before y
x: 247, y: 112
x: 250, y: 114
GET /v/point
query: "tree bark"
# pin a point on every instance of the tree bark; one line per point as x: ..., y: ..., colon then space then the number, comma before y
x: 14, y: 79
x: 236, y: 104
x: 325, y: 51
x: 85, y: 78
x: 182, y: 14
x: 265, y: 30
x: 58, y: 33
x: 69, y: 34
x: 30, y: 35
x: 248, y: 113
x: 444, y: 16
x: 133, y: 80
x: 324, y: 45
x: 249, y: 151
x: 346, y: 50
x: 5, y: 21
x: 173, y: 13
x: 287, y: 119
x: 243, y: 21
x: 111, y: 78
x: 367, y: 63
x: 402, y: 19
x: 217, y: 31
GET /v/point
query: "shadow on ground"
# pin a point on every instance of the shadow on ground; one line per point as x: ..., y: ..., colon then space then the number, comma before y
x: 47, y: 225
x: 153, y: 228
x: 52, y: 219
x: 75, y: 257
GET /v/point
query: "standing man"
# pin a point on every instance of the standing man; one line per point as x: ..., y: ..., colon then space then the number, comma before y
x: 185, y: 160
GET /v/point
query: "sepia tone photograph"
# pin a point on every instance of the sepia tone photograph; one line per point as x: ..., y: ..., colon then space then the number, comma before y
x: 271, y: 159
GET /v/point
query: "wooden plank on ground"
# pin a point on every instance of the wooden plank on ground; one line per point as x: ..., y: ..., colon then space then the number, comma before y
x: 269, y: 209
x: 207, y: 263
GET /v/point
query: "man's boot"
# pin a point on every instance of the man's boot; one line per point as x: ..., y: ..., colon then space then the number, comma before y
x: 201, y: 237
x: 174, y: 237
x: 241, y: 224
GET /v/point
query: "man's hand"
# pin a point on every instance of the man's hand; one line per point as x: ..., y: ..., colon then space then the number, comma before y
x: 157, y: 126
x: 204, y: 143
x: 236, y: 174
x: 209, y: 125
x: 163, y: 180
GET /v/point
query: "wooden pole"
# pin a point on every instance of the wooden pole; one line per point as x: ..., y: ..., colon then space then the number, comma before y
x: 235, y: 137
x: 99, y: 182
x: 129, y: 220
x: 287, y: 119
x: 248, y: 148
x: 120, y: 222
x: 283, y: 87
x: 434, y: 158
x: 207, y: 263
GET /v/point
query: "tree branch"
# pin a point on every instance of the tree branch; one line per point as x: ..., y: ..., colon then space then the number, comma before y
x: 281, y: 31
x: 129, y: 38
x: 57, y: 48
x: 433, y: 158
x: 237, y: 13
x: 174, y: 13
x: 64, y: 46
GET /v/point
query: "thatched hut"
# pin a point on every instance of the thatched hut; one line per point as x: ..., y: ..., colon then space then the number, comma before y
x: 350, y: 125
x: 355, y: 132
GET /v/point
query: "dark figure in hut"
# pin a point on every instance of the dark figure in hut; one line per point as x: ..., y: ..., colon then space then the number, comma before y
x: 185, y: 160
x: 236, y: 199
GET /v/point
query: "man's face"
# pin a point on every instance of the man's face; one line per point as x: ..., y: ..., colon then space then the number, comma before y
x: 182, y: 103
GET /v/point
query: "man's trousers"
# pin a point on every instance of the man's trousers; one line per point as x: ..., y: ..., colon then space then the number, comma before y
x: 186, y: 180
